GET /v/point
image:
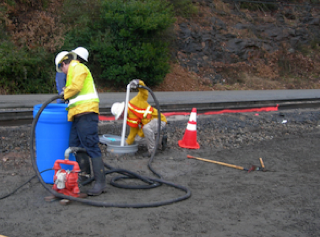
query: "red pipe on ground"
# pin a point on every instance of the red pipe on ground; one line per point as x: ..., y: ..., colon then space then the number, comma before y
x: 262, y: 109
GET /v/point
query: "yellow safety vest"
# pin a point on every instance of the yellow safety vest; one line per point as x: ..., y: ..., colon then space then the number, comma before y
x: 140, y: 113
x: 88, y: 92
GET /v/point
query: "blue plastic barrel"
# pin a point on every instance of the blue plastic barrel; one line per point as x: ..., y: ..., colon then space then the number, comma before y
x: 52, y: 138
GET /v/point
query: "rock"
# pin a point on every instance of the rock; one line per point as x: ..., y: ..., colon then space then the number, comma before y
x: 219, y: 42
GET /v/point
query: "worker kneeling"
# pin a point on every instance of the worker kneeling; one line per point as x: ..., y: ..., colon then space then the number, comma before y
x: 142, y: 119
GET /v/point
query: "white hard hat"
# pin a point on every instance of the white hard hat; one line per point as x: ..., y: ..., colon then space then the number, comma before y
x: 82, y: 52
x: 117, y: 109
x: 61, y: 56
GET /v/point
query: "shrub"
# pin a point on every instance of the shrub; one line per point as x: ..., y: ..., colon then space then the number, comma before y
x: 28, y: 38
x: 23, y: 71
x: 126, y: 41
x: 184, y: 8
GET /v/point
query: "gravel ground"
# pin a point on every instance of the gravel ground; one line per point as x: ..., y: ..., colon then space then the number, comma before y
x: 224, y: 201
x: 222, y: 131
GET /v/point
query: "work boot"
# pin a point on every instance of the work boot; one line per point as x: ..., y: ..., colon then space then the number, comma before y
x: 84, y: 164
x: 164, y: 142
x: 99, y: 177
x: 163, y: 139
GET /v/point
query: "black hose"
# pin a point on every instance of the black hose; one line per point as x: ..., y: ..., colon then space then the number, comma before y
x: 113, y: 181
x: 152, y: 182
x: 159, y: 130
x: 15, y: 190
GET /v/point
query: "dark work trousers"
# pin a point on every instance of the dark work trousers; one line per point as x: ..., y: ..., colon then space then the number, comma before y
x: 84, y: 134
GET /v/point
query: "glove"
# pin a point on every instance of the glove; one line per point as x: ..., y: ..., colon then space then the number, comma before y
x: 61, y: 95
x: 134, y: 84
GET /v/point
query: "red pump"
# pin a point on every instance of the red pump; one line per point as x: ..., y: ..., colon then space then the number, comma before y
x: 65, y: 181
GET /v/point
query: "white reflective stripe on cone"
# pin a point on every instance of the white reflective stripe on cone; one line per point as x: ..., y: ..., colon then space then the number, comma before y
x: 192, y: 127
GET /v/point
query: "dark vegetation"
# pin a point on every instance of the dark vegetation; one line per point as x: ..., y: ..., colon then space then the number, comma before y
x: 126, y: 40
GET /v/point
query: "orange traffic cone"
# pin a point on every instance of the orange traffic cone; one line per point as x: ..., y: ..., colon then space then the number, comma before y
x: 189, y: 139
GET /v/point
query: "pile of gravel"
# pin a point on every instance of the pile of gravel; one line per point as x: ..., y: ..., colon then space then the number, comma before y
x: 233, y: 130
x: 222, y: 131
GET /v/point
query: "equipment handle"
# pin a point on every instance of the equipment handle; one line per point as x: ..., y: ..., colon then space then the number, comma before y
x: 75, y: 164
x: 261, y: 162
x: 218, y: 162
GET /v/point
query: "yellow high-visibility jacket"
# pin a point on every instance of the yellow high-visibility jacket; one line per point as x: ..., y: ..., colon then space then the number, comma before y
x: 80, y: 90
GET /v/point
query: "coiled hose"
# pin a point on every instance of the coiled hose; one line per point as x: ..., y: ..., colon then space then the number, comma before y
x: 151, y: 182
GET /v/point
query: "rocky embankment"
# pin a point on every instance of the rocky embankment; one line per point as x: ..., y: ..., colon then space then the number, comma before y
x: 224, y: 34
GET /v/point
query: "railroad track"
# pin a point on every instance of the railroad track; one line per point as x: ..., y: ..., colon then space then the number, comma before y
x: 22, y: 116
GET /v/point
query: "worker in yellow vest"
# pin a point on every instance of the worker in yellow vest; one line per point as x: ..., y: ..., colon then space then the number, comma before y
x: 142, y: 119
x: 83, y: 111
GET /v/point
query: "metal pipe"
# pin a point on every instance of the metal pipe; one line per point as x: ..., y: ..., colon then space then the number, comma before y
x: 72, y: 150
x: 123, y: 134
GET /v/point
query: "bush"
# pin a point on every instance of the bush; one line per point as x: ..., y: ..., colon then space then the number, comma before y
x: 27, y: 41
x: 126, y: 41
x: 23, y: 71
x: 184, y: 8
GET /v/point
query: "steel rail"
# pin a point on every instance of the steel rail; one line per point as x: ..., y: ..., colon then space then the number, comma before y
x: 21, y: 116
